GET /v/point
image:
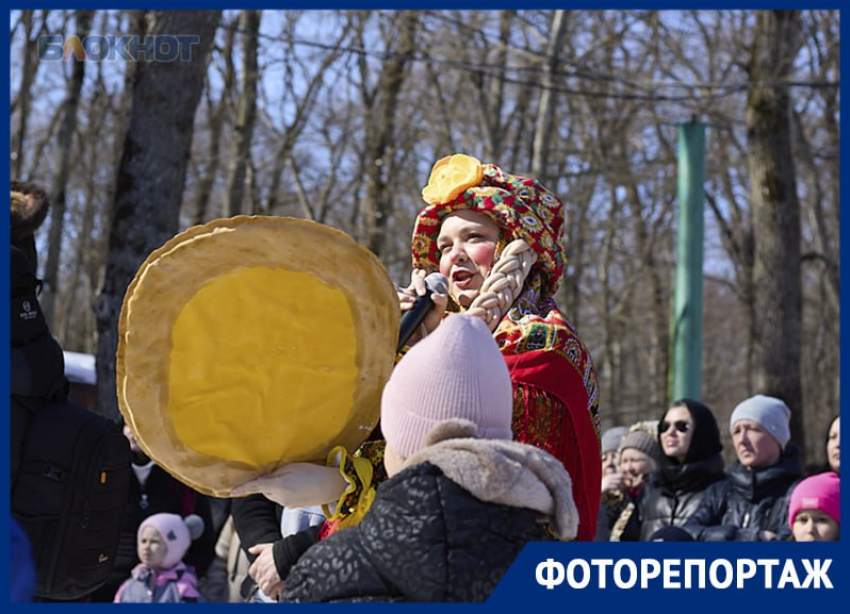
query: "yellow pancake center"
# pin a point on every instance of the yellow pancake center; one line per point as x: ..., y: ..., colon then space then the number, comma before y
x: 262, y: 360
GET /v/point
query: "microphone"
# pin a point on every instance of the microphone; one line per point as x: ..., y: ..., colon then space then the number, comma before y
x: 412, y: 318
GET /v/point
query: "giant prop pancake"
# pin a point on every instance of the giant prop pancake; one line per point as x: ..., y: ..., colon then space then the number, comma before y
x: 251, y: 342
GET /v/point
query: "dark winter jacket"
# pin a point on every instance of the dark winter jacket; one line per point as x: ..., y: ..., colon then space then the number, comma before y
x: 747, y: 502
x: 673, y: 493
x: 162, y: 493
x: 426, y: 538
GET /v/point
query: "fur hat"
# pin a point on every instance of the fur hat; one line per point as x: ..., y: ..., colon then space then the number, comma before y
x: 771, y: 413
x: 176, y: 532
x: 520, y: 206
x: 640, y: 438
x: 818, y: 492
x: 28, y: 211
x: 455, y: 372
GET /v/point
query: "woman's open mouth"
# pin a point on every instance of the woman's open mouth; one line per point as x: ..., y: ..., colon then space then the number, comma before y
x: 462, y: 279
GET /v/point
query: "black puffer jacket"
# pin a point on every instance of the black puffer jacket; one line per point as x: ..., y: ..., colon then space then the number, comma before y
x: 424, y: 539
x: 747, y: 502
x: 674, y: 492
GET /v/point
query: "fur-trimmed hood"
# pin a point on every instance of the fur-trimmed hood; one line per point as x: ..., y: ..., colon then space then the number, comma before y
x: 503, y: 472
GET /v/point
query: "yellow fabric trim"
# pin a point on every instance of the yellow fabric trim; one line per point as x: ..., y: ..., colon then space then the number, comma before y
x: 361, y: 479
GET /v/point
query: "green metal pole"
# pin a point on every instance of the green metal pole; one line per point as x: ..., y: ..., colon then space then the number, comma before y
x: 686, y: 371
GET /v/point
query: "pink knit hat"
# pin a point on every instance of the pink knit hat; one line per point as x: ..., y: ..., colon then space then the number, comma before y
x: 818, y: 492
x: 455, y: 372
x: 176, y: 532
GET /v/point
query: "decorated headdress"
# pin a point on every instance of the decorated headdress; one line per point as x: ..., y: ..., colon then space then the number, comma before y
x: 521, y: 207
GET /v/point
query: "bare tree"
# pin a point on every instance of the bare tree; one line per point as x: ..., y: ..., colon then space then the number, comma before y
x: 22, y: 102
x: 776, y: 213
x: 246, y: 114
x: 304, y: 102
x: 380, y: 110
x: 216, y: 114
x: 151, y: 175
x: 353, y: 108
x: 59, y: 184
x: 545, y: 122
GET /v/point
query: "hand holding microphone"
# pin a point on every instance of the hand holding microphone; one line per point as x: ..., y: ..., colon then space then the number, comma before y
x: 422, y: 304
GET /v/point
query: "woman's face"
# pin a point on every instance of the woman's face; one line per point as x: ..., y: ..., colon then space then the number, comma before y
x: 755, y: 447
x: 833, y: 450
x: 814, y: 526
x: 674, y: 441
x: 609, y: 462
x: 635, y: 464
x: 467, y: 244
x: 152, y: 548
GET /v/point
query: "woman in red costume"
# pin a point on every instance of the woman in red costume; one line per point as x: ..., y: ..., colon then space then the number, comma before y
x: 497, y: 238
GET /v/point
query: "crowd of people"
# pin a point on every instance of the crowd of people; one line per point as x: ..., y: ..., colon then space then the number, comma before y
x: 489, y: 437
x: 673, y: 487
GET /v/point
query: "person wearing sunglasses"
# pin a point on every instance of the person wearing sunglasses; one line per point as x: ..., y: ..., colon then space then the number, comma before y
x: 692, y: 461
x: 751, y: 504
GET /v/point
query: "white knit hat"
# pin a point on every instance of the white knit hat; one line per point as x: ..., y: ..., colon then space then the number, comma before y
x: 455, y: 372
x: 176, y: 532
x: 771, y: 413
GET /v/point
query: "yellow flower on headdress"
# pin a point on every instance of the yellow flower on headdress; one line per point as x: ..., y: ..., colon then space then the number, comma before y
x: 450, y: 176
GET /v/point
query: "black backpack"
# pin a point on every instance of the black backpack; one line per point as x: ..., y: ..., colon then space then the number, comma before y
x: 69, y: 494
x: 70, y: 468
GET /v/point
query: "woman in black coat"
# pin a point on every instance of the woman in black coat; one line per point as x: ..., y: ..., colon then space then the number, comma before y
x: 690, y: 439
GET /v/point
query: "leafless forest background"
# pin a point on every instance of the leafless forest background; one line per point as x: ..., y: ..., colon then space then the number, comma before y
x: 337, y: 117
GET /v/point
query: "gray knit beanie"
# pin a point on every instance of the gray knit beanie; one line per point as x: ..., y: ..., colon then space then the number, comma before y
x: 771, y: 413
x: 643, y: 441
x: 611, y: 438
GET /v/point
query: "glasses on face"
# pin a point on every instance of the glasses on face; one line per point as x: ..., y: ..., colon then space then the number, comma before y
x: 683, y: 426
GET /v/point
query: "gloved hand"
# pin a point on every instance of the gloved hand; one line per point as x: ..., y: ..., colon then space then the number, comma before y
x: 297, y: 485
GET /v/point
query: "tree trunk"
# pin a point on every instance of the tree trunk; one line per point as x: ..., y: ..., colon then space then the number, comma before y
x: 65, y: 151
x: 24, y: 99
x: 71, y: 336
x: 138, y: 22
x: 151, y: 175
x: 216, y: 114
x: 776, y: 214
x: 246, y: 113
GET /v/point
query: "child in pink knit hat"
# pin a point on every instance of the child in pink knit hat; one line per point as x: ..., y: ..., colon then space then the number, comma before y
x: 814, y: 510
x: 462, y: 498
x: 162, y: 577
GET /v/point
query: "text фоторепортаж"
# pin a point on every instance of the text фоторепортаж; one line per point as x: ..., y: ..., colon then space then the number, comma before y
x: 673, y: 573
